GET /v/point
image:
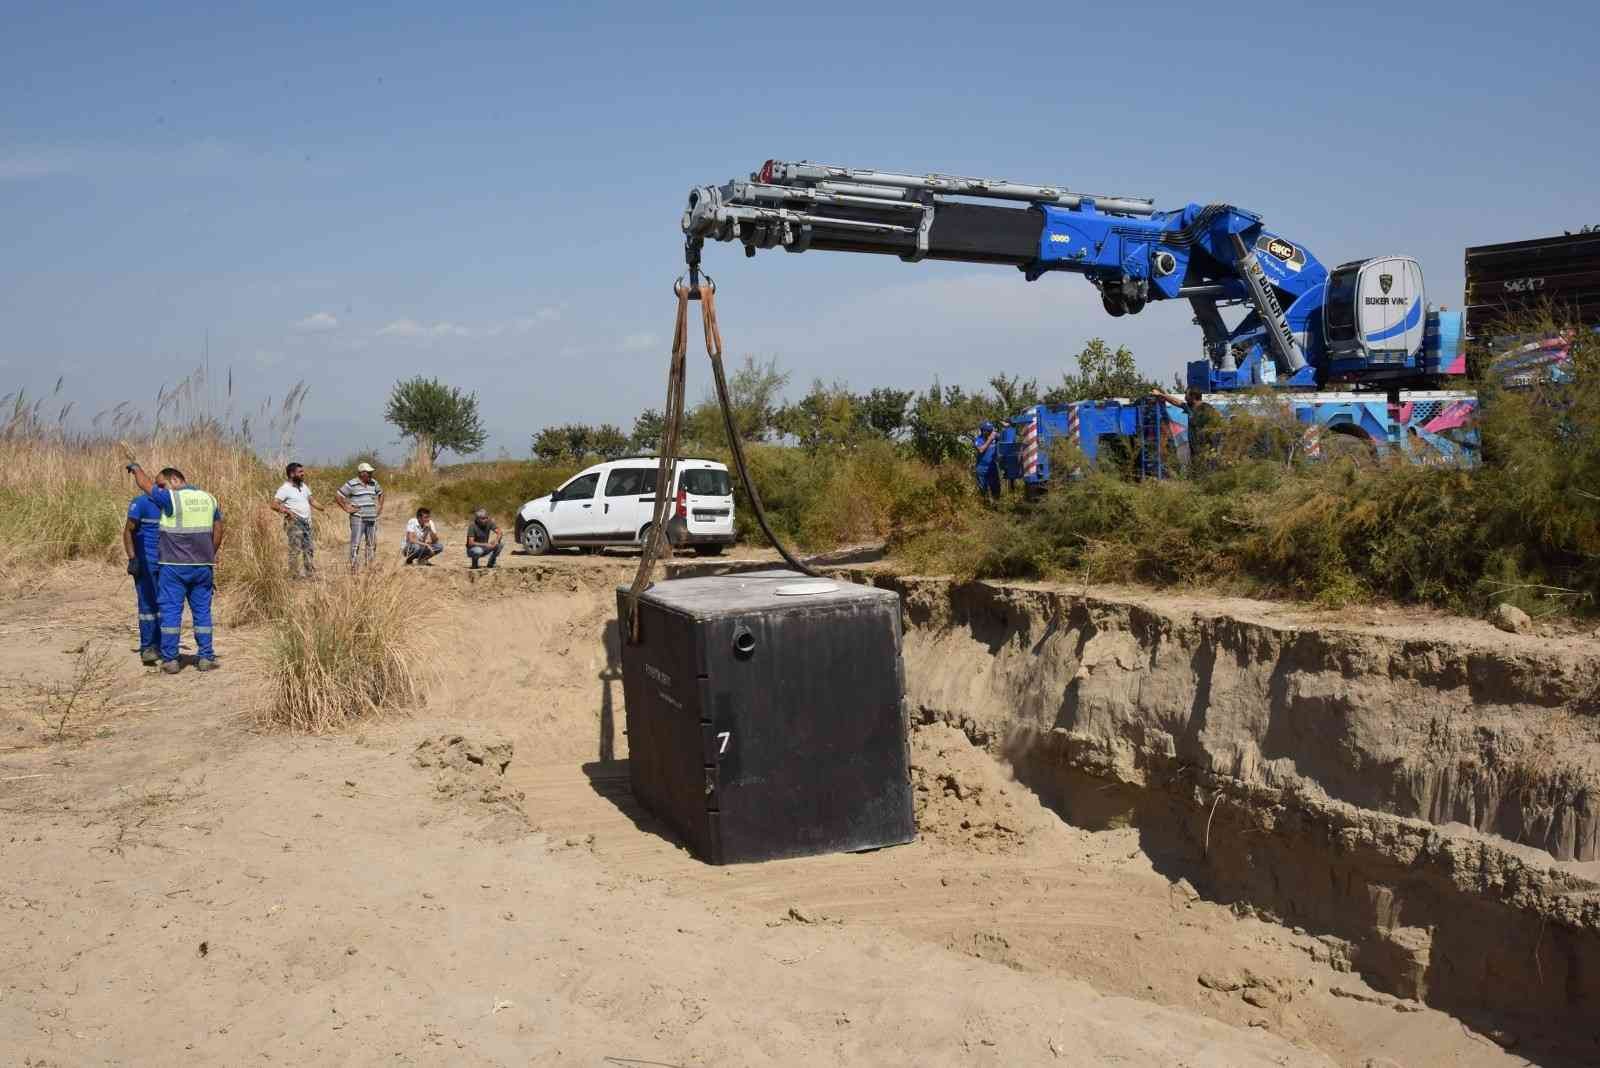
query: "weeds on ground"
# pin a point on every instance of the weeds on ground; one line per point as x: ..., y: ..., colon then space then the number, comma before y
x: 1523, y: 528
x: 67, y: 707
x: 350, y: 649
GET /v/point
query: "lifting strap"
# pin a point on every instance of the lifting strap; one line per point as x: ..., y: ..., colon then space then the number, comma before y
x: 656, y: 545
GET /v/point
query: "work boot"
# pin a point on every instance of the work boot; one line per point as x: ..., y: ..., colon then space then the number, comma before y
x: 150, y: 656
x: 171, y: 667
x: 206, y: 664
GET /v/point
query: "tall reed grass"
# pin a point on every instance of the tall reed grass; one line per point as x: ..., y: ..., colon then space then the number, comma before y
x: 352, y: 647
x: 64, y: 491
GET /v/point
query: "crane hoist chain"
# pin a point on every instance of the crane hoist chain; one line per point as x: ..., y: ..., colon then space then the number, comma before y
x: 657, y: 545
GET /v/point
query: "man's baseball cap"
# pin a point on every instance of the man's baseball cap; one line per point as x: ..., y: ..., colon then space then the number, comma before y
x: 363, y: 467
x: 986, y: 425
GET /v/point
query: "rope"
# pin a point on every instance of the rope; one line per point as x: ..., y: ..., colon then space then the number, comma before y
x: 656, y: 545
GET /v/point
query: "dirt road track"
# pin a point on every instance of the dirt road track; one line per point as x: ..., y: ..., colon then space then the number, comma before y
x: 180, y: 888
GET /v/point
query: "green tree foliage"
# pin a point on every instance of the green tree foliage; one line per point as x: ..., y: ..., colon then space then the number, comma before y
x: 826, y: 417
x: 1102, y: 373
x: 942, y: 421
x: 885, y: 411
x: 436, y: 416
x: 754, y: 392
x: 580, y: 441
x: 648, y: 430
x: 1014, y: 393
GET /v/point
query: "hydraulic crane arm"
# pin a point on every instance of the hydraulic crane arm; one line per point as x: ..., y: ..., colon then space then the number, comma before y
x: 1130, y: 251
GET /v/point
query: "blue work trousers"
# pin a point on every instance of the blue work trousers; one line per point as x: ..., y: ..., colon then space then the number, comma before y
x: 988, y: 476
x: 177, y: 583
x: 144, y: 594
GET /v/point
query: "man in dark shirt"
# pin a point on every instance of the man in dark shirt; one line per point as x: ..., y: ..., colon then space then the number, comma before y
x: 483, y: 539
x: 1205, y: 430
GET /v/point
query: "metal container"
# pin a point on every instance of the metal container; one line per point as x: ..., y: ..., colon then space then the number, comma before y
x: 766, y: 715
x: 1512, y: 279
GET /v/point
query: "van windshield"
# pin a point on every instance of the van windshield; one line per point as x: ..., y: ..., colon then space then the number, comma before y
x: 705, y: 482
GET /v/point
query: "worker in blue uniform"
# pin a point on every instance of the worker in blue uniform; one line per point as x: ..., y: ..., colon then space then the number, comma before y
x: 987, y: 468
x: 139, y: 541
x: 190, y: 534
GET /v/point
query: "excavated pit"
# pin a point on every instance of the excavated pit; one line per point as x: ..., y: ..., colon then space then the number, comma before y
x: 1419, y: 795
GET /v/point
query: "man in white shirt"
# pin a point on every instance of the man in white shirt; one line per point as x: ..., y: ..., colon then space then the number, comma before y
x: 294, y: 502
x: 422, y: 540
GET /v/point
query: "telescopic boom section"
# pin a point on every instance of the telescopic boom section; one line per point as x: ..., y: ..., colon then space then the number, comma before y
x: 800, y: 206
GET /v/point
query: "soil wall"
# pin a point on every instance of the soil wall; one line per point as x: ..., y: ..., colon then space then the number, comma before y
x: 1421, y: 795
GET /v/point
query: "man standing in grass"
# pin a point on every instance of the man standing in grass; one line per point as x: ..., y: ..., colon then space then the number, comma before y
x: 294, y: 502
x: 140, y: 541
x: 362, y: 499
x: 483, y: 539
x: 190, y: 535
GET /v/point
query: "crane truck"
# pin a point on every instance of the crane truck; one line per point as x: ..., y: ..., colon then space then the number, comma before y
x: 1355, y: 351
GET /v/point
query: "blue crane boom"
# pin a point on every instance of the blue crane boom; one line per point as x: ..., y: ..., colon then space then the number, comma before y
x: 1365, y: 323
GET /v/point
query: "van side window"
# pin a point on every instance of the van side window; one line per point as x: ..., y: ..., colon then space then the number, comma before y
x: 625, y: 482
x: 579, y: 489
x: 648, y: 483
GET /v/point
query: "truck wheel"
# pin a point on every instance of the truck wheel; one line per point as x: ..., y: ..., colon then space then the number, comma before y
x: 535, y: 539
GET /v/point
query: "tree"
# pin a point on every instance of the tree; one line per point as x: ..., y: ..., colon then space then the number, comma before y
x: 753, y: 391
x: 1102, y: 374
x: 579, y: 441
x: 1014, y: 393
x: 648, y: 430
x: 608, y: 442
x: 436, y: 417
x: 826, y: 417
x: 942, y: 421
x: 550, y: 444
x: 885, y: 410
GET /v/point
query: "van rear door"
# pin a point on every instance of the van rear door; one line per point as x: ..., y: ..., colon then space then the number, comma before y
x: 708, y: 497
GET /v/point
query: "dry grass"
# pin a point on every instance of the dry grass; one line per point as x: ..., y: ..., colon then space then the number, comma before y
x: 350, y: 648
x: 64, y: 492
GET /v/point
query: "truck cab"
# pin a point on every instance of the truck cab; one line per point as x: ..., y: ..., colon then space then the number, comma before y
x: 1375, y: 317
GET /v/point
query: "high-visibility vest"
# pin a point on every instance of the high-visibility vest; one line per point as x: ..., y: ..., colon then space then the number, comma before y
x: 186, y: 531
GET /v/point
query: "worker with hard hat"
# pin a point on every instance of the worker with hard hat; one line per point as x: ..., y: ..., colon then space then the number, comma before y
x: 188, y: 539
x: 987, y: 467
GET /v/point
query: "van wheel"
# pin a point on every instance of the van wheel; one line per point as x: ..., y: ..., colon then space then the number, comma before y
x: 535, y: 539
x: 708, y: 550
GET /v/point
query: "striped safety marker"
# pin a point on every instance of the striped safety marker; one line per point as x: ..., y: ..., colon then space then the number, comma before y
x: 1030, y: 445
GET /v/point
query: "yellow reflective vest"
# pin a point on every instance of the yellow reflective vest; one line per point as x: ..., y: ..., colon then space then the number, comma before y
x: 186, y: 531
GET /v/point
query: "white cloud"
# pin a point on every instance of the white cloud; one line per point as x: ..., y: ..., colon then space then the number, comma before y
x: 415, y: 330
x: 317, y: 323
x: 410, y: 329
x: 639, y: 342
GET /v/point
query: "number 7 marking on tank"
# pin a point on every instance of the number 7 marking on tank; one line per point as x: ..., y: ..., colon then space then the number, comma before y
x: 722, y: 741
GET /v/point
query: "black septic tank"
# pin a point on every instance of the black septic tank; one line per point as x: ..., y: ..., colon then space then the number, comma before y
x: 766, y: 715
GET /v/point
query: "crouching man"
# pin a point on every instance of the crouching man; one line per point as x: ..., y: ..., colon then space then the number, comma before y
x: 483, y: 539
x: 422, y: 540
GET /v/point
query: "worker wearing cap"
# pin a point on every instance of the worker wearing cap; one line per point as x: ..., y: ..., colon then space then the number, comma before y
x: 190, y: 535
x: 987, y: 468
x: 140, y: 542
x: 362, y: 499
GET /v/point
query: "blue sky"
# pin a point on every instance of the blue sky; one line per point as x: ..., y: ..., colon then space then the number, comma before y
x: 493, y: 196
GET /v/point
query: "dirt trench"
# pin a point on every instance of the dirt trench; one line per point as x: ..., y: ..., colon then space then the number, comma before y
x: 1417, y: 793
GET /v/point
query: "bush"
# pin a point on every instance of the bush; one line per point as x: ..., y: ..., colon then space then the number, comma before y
x: 347, y: 649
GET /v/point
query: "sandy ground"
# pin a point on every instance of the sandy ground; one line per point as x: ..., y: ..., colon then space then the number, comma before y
x: 179, y: 887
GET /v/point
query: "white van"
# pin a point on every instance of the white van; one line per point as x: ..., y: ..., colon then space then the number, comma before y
x: 613, y: 503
